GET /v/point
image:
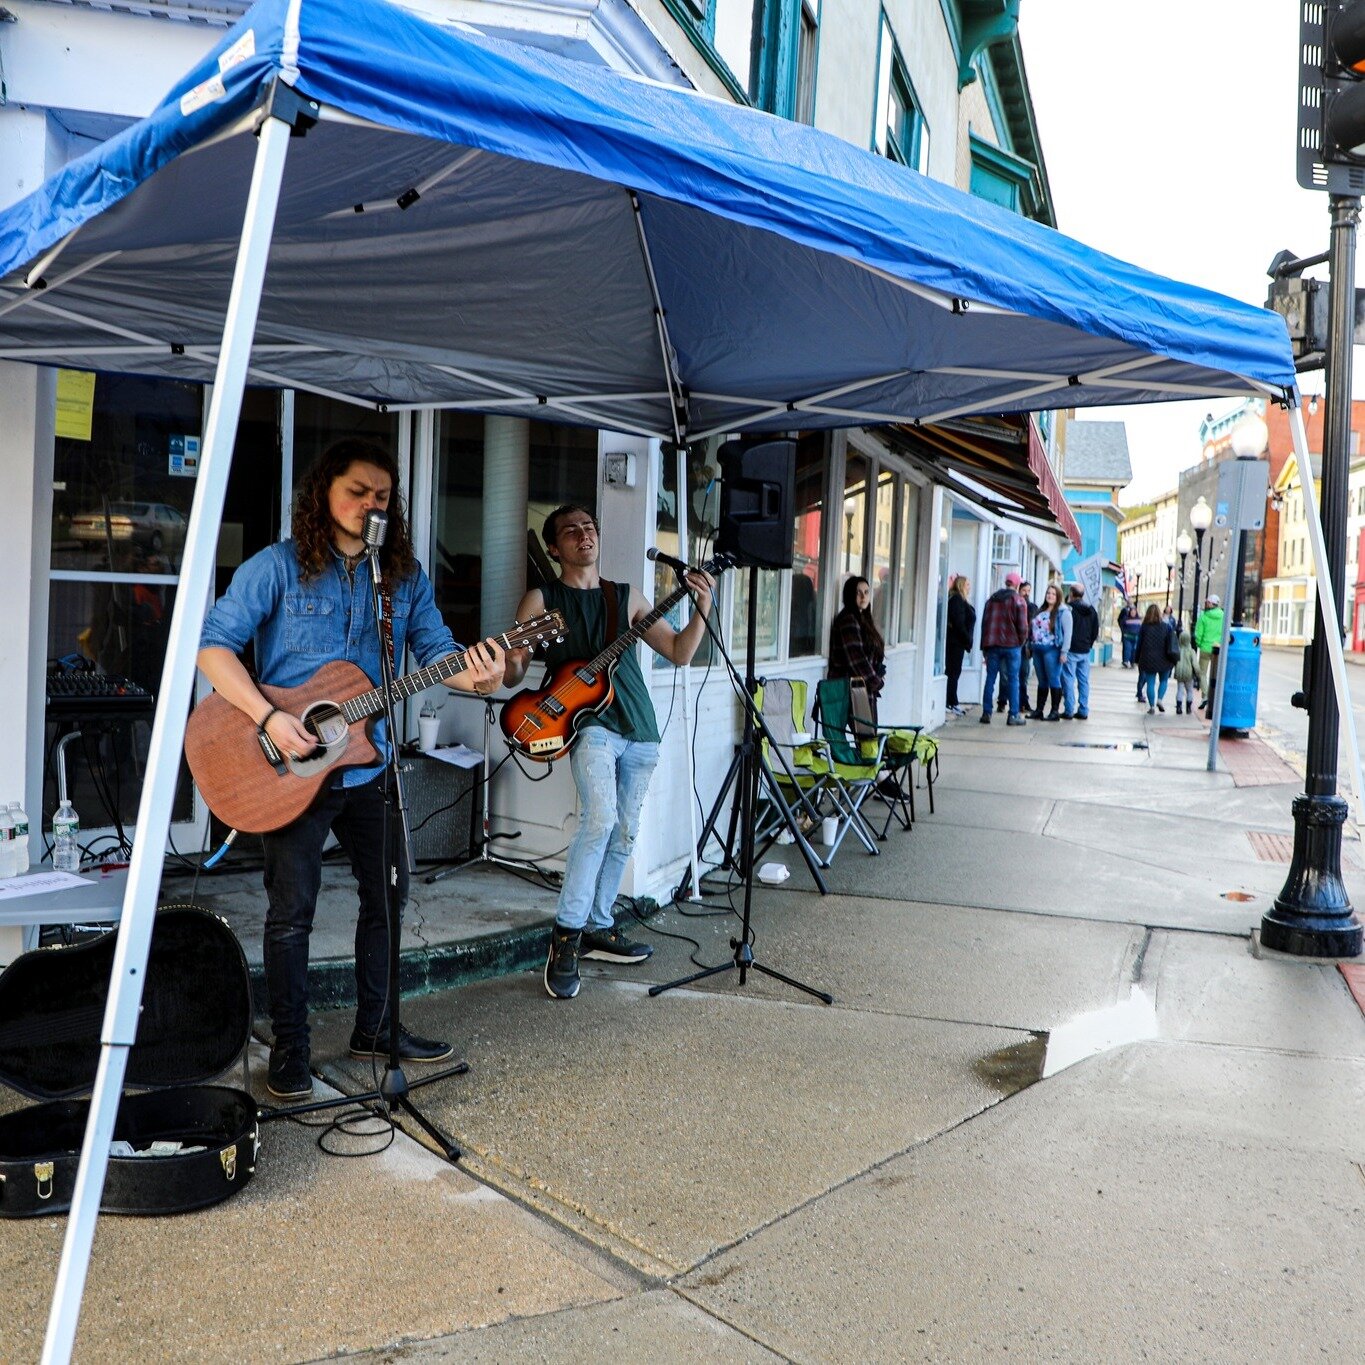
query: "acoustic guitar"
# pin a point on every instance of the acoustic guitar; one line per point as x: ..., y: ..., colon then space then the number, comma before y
x: 543, y: 723
x: 254, y: 788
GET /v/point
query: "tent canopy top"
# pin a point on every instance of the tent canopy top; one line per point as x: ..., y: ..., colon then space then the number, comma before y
x: 473, y: 224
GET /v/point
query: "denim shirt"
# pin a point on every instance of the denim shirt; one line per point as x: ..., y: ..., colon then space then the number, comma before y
x: 298, y: 626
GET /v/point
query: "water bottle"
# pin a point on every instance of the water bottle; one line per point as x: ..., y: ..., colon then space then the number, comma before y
x: 66, y: 848
x: 21, y: 855
x: 6, y: 844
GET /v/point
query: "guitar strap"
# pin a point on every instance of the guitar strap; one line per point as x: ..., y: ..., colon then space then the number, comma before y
x: 386, y: 625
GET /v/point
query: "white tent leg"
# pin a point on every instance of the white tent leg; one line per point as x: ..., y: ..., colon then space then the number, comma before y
x: 684, y: 553
x: 158, y: 792
x: 1331, y: 612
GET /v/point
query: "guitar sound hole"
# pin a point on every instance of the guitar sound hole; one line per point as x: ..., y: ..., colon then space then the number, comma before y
x: 326, y: 723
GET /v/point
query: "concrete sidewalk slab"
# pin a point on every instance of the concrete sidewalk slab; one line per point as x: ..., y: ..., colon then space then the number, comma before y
x: 656, y: 1326
x: 317, y: 1255
x: 722, y: 1114
x: 1209, y: 990
x: 918, y: 960
x: 1160, y: 1202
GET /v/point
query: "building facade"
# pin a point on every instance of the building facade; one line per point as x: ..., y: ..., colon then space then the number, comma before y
x: 939, y: 86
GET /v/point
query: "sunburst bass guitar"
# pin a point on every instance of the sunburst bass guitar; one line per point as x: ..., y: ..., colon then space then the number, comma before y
x: 249, y: 785
x: 543, y: 723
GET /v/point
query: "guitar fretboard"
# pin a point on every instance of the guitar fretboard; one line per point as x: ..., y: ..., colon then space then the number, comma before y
x: 624, y: 642
x: 372, y: 702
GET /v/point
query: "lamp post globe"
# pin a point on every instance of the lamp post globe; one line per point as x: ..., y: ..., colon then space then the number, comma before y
x: 1201, y: 518
x: 1170, y: 565
x: 1250, y: 437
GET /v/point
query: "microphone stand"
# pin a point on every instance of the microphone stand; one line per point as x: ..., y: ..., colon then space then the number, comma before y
x: 394, y: 1088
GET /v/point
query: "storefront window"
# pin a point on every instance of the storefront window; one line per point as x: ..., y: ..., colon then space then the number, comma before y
x: 941, y: 629
x: 909, y: 555
x: 768, y: 604
x: 562, y: 467
x: 125, y: 463
x: 853, y: 533
x: 883, y: 529
x: 812, y: 474
x: 123, y: 477
x: 701, y: 478
x: 321, y: 422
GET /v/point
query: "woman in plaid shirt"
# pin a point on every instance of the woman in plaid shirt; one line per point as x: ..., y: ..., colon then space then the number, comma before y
x: 856, y: 648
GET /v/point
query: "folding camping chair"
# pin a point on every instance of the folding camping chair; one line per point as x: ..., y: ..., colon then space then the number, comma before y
x: 906, y: 745
x: 854, y: 762
x: 792, y: 775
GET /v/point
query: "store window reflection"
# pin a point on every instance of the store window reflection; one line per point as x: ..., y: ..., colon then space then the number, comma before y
x: 812, y: 473
x: 879, y: 575
x: 700, y: 478
x: 908, y: 555
x: 562, y: 467
x: 853, y: 533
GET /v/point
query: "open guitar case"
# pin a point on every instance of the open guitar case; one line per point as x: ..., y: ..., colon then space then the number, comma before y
x: 195, y: 1024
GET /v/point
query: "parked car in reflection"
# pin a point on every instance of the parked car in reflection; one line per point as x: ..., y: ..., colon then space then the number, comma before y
x: 152, y: 525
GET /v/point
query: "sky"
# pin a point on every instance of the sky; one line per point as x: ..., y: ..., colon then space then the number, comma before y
x: 1168, y: 130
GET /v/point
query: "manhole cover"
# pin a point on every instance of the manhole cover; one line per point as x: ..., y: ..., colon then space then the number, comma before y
x: 1122, y: 746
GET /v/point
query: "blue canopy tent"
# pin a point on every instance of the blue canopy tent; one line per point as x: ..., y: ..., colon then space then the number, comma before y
x: 467, y: 224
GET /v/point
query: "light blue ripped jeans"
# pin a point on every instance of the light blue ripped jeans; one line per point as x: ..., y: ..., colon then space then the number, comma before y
x: 612, y: 775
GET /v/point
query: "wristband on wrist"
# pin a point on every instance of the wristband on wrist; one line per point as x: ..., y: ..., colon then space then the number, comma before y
x: 261, y: 724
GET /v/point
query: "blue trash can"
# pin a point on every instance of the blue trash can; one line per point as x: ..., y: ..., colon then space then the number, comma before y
x: 1239, y: 675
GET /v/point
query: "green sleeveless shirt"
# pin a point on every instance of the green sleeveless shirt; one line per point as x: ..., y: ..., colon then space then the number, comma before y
x: 631, y: 712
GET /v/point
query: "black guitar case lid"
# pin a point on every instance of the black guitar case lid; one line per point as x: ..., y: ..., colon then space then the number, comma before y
x: 195, y: 1022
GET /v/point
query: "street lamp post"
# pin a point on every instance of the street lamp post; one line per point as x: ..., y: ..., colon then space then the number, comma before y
x: 1312, y: 915
x: 1170, y: 565
x: 1183, y: 545
x: 1201, y: 518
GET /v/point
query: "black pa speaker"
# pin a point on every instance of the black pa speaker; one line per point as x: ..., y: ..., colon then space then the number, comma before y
x: 756, y: 503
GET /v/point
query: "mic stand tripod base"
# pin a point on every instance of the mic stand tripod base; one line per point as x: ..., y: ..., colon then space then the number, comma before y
x: 745, y: 962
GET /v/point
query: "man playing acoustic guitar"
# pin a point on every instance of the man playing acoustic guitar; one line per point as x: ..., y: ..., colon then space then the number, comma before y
x: 616, y: 750
x: 303, y: 603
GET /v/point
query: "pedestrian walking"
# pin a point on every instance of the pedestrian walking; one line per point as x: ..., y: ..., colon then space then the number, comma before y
x: 1129, y: 622
x: 1185, y: 670
x: 1051, y: 628
x: 1157, y: 652
x: 1004, y: 630
x: 1085, y: 630
x: 961, y: 635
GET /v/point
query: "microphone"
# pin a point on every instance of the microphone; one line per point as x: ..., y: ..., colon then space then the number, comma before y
x: 659, y: 557
x: 376, y: 528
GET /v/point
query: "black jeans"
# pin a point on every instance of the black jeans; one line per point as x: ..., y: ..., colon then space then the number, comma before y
x: 953, y: 653
x: 293, y: 875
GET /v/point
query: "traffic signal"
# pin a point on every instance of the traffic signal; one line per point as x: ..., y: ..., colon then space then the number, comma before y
x: 1331, y: 153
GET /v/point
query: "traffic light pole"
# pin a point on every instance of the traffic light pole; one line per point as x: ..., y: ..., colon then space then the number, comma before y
x: 1312, y: 915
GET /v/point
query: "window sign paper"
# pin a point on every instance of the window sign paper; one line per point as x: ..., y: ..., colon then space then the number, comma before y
x: 185, y: 456
x: 75, y: 404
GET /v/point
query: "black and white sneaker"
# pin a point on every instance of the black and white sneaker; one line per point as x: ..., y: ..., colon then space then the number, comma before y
x: 289, y: 1077
x: 611, y: 945
x: 561, y: 964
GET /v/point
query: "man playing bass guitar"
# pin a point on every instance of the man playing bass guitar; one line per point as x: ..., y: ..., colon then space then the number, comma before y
x: 616, y: 749
x: 303, y: 603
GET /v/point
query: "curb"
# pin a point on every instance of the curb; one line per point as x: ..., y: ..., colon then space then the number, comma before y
x: 438, y: 967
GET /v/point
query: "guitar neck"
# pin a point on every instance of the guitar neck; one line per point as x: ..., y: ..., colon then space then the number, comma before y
x: 371, y: 703
x: 624, y: 642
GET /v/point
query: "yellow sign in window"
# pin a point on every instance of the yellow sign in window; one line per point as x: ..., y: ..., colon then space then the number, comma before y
x: 75, y: 403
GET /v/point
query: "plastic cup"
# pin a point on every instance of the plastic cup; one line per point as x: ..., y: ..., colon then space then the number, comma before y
x: 427, y: 727
x: 829, y: 829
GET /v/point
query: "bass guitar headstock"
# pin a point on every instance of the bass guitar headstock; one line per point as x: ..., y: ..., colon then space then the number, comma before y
x: 538, y: 633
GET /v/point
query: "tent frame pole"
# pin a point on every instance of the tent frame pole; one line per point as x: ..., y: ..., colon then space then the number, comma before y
x: 177, y: 681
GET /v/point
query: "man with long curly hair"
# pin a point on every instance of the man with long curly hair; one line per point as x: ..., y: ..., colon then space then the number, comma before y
x: 303, y: 603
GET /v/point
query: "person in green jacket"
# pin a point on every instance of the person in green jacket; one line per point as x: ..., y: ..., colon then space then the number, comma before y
x: 1208, y: 636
